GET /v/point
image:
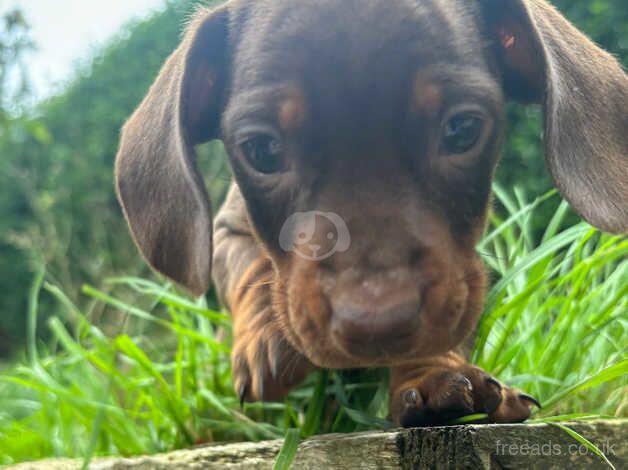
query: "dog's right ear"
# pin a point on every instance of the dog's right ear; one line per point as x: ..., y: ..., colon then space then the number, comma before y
x: 584, y: 93
x: 163, y: 195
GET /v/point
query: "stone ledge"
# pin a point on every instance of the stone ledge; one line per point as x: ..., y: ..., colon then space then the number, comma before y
x: 490, y: 447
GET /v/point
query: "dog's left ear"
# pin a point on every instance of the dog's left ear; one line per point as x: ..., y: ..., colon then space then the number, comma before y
x: 584, y: 92
x: 162, y: 193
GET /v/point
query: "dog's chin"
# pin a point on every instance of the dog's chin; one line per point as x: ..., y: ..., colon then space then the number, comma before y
x: 346, y: 353
x: 405, y: 349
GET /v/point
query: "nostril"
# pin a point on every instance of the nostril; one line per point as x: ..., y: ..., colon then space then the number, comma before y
x: 415, y: 257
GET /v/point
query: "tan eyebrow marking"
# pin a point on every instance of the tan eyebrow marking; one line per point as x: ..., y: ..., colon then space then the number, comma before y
x: 292, y: 108
x: 427, y: 95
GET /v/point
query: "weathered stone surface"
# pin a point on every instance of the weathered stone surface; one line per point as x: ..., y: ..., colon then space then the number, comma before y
x: 478, y: 447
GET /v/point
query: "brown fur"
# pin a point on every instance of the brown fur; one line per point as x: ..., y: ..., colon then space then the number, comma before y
x: 427, y: 95
x: 292, y: 110
x: 358, y: 92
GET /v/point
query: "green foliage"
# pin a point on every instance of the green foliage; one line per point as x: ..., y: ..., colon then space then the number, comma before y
x: 14, y: 43
x: 159, y: 378
x: 57, y: 199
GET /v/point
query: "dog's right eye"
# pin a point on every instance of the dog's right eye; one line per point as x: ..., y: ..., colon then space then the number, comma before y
x: 462, y: 132
x: 263, y: 153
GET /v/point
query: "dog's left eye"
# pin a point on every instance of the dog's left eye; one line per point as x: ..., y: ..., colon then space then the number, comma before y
x: 462, y: 132
x: 263, y: 152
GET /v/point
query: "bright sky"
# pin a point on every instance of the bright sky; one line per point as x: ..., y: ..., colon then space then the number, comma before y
x: 68, y: 30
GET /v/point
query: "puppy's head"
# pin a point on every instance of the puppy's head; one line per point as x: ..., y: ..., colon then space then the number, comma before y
x: 363, y: 136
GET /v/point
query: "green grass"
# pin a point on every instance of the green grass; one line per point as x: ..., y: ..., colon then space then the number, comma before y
x: 145, y: 369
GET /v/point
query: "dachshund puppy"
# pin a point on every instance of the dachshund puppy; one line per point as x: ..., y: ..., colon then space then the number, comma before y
x: 363, y: 136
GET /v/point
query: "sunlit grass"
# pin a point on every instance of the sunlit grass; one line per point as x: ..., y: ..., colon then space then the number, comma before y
x: 152, y: 372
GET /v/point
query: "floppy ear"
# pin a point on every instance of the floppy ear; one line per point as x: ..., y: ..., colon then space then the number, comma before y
x: 584, y: 92
x: 162, y: 193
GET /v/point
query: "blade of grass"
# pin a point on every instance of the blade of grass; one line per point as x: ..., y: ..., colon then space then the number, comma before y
x: 610, y: 373
x: 476, y: 418
x: 126, y: 345
x: 584, y: 441
x: 558, y: 242
x: 356, y: 415
x: 105, y: 298
x: 33, y: 304
x: 556, y: 221
x: 568, y: 417
x: 288, y: 450
x: 98, y: 424
x: 316, y: 406
x: 163, y: 294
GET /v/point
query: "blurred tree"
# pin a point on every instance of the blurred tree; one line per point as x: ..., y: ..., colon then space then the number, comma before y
x: 57, y: 198
x: 15, y: 42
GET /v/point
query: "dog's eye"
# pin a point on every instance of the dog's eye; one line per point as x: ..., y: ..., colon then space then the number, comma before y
x: 263, y: 152
x: 461, y: 133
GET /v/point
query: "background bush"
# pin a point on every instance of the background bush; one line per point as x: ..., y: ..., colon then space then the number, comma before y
x: 57, y: 202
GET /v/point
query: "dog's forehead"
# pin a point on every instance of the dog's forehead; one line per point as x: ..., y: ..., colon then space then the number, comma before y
x: 283, y: 39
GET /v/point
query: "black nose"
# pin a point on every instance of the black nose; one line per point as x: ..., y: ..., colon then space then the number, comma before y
x: 372, y: 332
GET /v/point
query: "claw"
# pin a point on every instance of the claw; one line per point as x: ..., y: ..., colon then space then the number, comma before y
x: 467, y: 383
x: 273, y: 363
x: 410, y: 397
x: 528, y: 398
x: 243, y: 390
x: 494, y: 381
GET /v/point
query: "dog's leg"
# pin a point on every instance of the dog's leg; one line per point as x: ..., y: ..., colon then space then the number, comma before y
x: 436, y: 390
x: 265, y: 365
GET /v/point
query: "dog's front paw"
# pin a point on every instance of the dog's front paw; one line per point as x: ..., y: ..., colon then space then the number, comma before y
x: 440, y: 395
x: 265, y: 365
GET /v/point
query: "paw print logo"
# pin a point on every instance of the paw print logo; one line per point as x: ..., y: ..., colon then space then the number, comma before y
x: 314, y: 235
